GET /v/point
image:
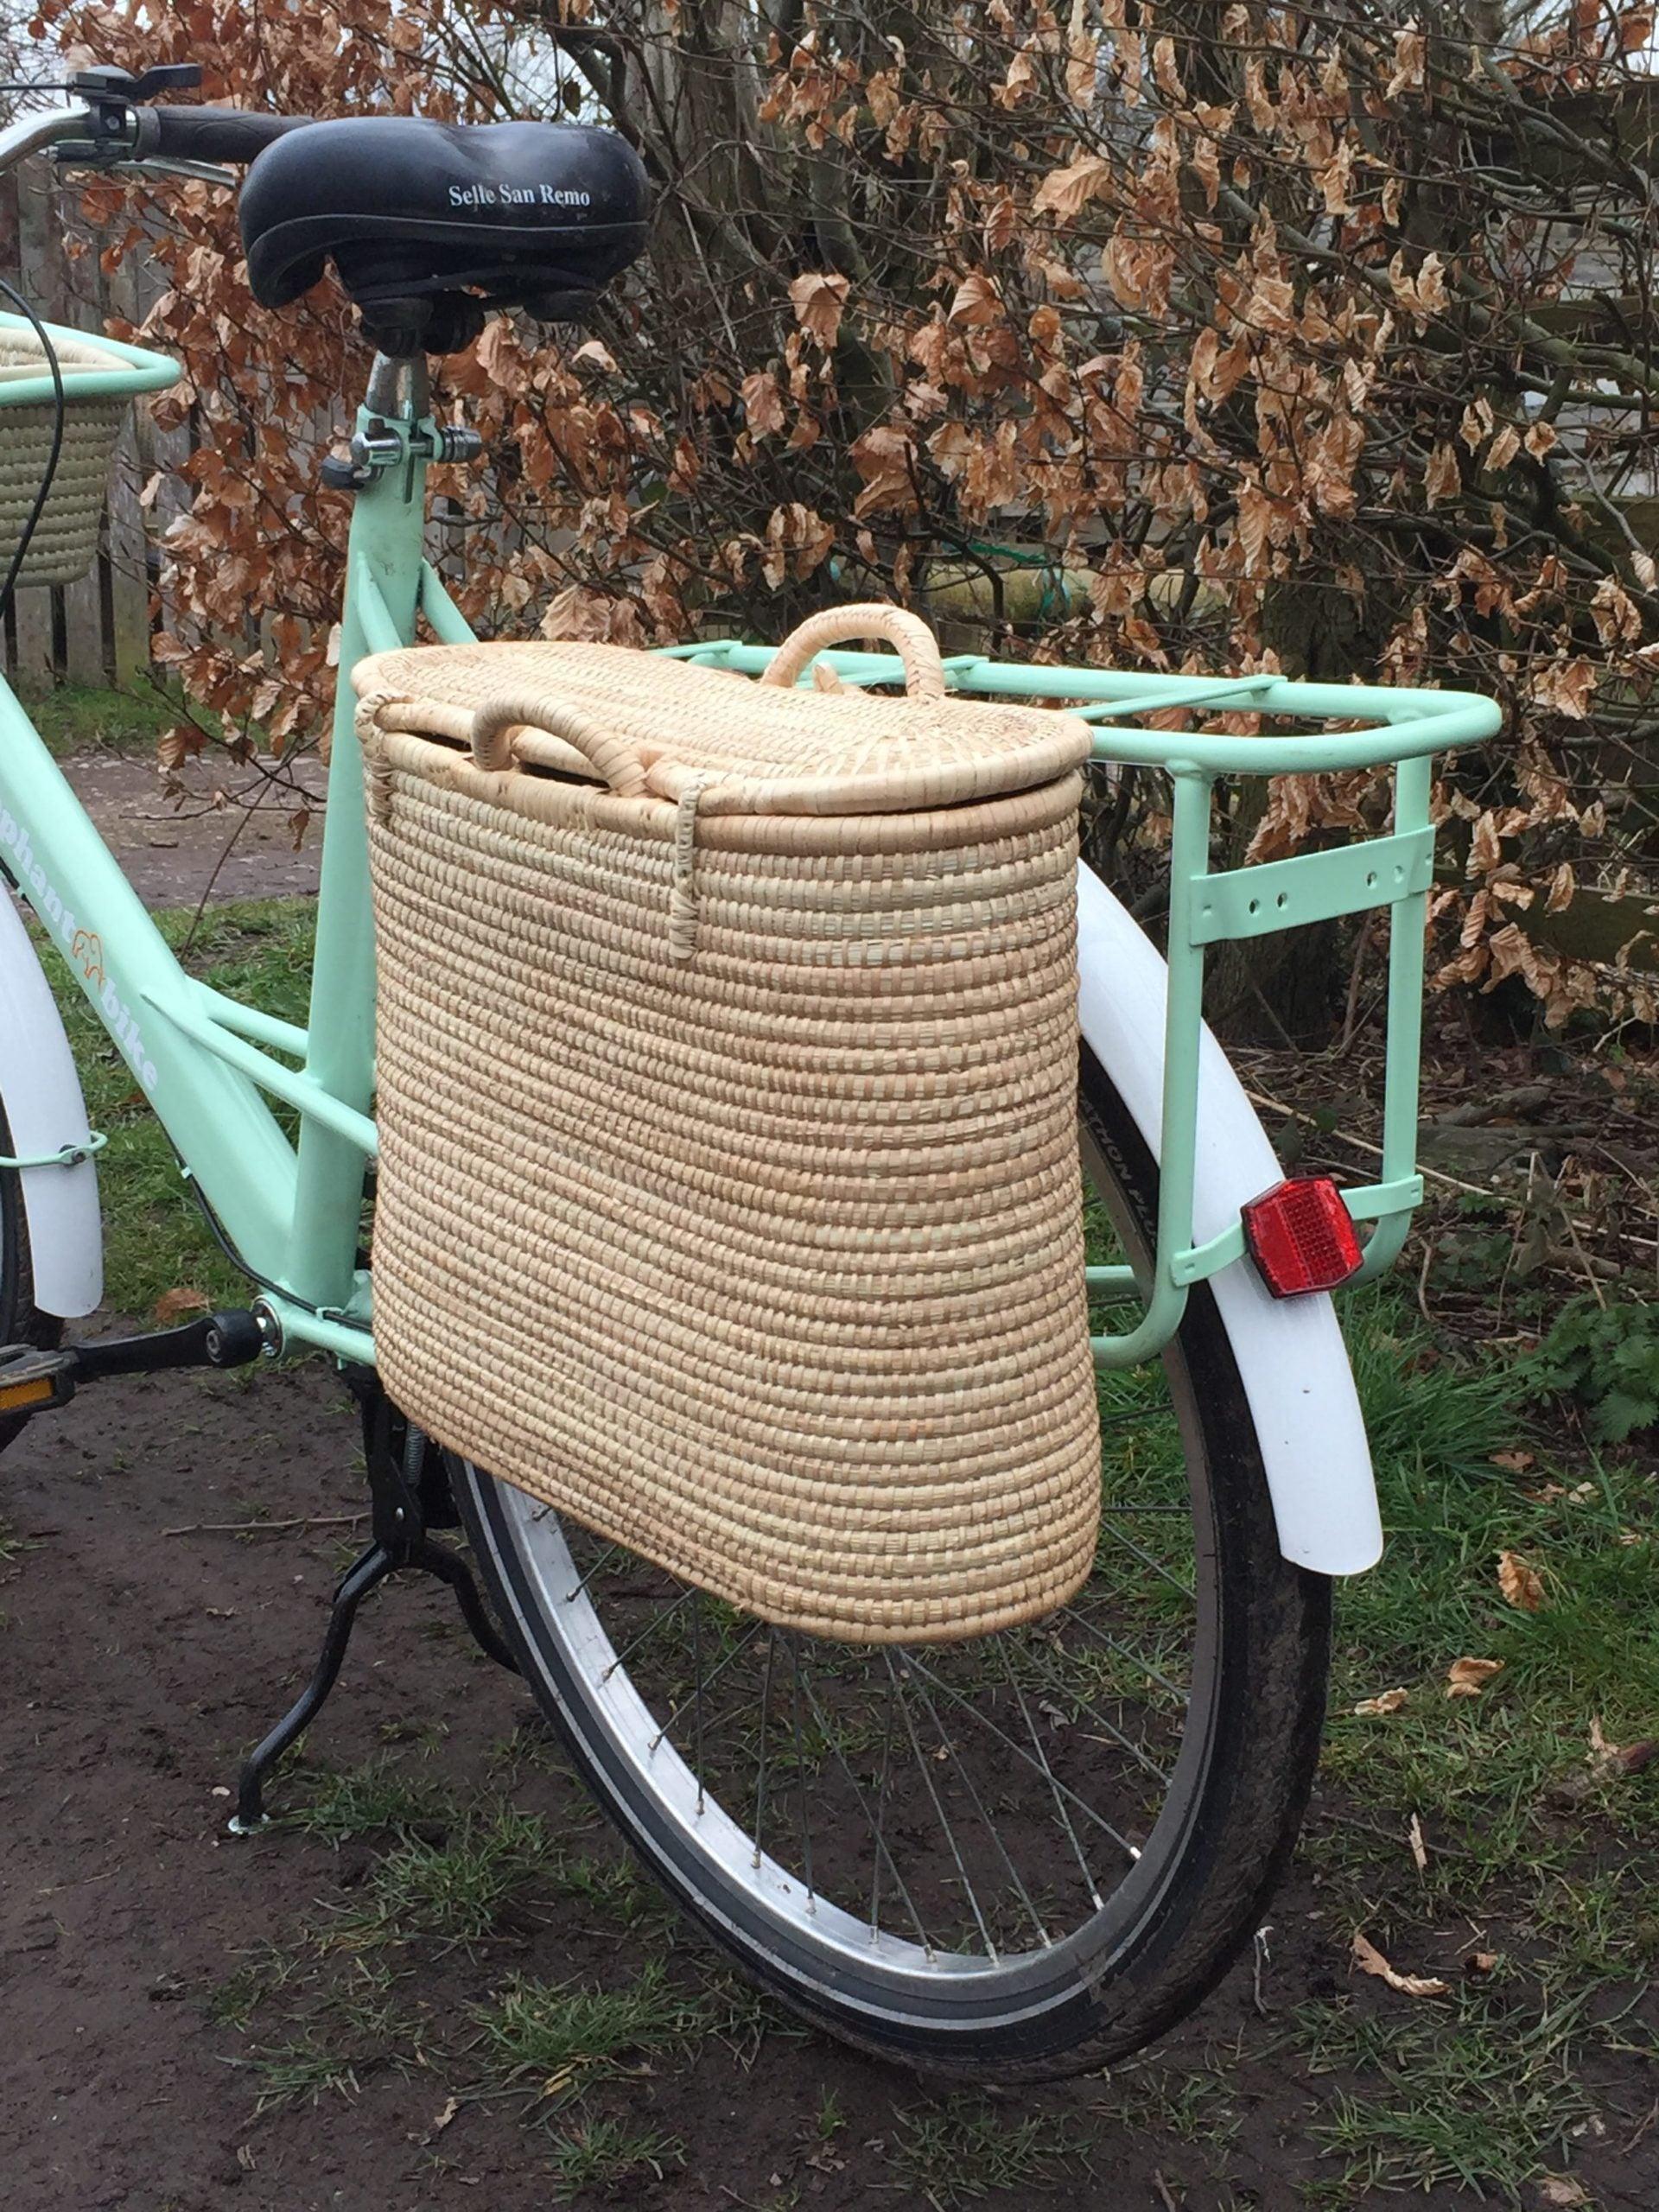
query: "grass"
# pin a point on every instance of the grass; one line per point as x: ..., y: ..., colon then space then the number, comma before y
x: 1485, y: 2090
x: 1472, y: 2099
x: 453, y: 1892
x: 545, y: 2037
x: 356, y: 2025
x: 380, y: 1798
x: 961, y: 2150
x: 83, y: 717
x: 605, y: 2153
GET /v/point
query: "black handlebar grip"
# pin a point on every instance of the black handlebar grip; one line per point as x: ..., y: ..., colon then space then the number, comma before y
x: 208, y: 134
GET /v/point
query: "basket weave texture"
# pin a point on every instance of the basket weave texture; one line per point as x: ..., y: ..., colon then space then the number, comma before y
x: 729, y: 1199
x: 65, y: 542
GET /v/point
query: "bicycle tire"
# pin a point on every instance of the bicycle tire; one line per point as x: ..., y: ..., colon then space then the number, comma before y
x: 1143, y: 1962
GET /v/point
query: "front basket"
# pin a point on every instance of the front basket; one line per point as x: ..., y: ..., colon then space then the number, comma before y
x: 100, y: 379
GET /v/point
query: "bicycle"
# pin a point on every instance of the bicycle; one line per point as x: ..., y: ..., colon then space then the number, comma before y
x: 998, y: 1861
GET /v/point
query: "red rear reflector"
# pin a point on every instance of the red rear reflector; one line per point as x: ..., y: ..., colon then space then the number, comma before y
x: 1301, y: 1237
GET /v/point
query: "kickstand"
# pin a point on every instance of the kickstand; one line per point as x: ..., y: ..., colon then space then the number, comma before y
x: 408, y: 1490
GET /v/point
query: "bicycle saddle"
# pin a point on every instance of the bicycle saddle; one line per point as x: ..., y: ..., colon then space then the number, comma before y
x: 428, y: 224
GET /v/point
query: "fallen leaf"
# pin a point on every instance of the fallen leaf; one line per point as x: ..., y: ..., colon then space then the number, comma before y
x: 1480, y: 1961
x: 1468, y: 1677
x: 172, y: 1304
x: 1419, y: 1848
x: 1369, y: 1960
x: 1387, y: 1702
x: 1522, y: 1585
x: 1608, y: 1760
x: 452, y: 2106
x: 1516, y: 1462
x: 1562, y: 2189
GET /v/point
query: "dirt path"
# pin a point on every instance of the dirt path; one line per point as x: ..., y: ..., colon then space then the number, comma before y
x: 172, y: 852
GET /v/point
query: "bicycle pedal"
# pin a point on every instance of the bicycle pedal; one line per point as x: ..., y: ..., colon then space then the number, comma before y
x: 33, y: 1380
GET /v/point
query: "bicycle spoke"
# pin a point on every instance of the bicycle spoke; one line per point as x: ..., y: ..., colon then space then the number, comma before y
x: 737, y: 1650
x: 1146, y: 1559
x: 609, y: 1553
x: 765, y: 1711
x: 899, y: 1881
x: 985, y: 1721
x: 880, y: 1813
x: 696, y: 1670
x: 950, y: 1833
x: 1048, y: 1775
x: 1070, y: 1613
x: 649, y: 1629
x: 800, y: 1765
x: 993, y: 1831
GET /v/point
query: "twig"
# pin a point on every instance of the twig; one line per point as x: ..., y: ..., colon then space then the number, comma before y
x: 1428, y: 1175
x: 1422, y: 1280
x: 1355, y: 977
x: 1578, y: 1253
x: 1162, y: 2188
x: 1384, y: 1836
x: 266, y: 1527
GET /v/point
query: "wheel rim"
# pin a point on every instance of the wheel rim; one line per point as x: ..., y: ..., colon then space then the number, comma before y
x: 944, y: 1833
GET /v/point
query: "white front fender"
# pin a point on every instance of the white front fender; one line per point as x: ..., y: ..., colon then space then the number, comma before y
x: 41, y: 1093
x: 1290, y: 1353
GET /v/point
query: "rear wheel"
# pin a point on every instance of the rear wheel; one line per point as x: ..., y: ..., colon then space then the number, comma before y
x: 22, y: 1321
x: 1017, y: 1856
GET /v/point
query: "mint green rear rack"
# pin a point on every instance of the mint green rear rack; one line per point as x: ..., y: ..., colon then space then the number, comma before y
x: 1400, y: 729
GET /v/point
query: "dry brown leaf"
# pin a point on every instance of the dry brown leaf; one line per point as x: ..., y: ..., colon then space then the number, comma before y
x: 1369, y: 1960
x: 1385, y: 1701
x: 1468, y: 1677
x: 1562, y: 2189
x: 1515, y: 1463
x: 819, y: 299
x: 1480, y: 1961
x: 173, y: 1305
x: 1608, y: 1760
x: 451, y: 2107
x: 1522, y: 1585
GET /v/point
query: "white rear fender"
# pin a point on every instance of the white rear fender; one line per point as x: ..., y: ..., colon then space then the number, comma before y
x: 1290, y: 1353
x: 41, y: 1093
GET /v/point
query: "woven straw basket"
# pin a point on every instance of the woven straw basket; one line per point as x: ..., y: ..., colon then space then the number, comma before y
x: 65, y: 542
x: 729, y: 1198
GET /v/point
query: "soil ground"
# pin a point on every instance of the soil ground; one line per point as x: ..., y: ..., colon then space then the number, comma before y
x: 174, y: 853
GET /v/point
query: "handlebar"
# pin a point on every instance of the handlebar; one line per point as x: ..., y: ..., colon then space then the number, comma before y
x: 208, y: 134
x: 105, y: 134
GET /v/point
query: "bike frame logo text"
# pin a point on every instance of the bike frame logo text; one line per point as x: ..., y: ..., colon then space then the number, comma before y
x: 83, y: 947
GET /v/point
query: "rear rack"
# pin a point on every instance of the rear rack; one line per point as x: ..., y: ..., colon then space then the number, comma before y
x: 1399, y: 729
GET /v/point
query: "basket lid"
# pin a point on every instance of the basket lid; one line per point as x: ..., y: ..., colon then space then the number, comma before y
x: 22, y: 358
x: 648, y: 724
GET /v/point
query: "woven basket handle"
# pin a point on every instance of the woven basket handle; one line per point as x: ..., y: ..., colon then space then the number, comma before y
x: 907, y: 633
x: 608, y: 754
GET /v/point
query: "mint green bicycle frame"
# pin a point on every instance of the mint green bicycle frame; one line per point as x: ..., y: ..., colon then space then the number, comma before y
x: 209, y: 1064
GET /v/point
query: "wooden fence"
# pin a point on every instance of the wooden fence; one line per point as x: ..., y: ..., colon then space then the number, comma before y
x: 98, y: 630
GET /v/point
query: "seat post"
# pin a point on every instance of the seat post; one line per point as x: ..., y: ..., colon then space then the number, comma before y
x: 399, y: 388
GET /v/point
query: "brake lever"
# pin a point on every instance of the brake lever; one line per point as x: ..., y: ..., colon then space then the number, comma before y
x: 205, y: 172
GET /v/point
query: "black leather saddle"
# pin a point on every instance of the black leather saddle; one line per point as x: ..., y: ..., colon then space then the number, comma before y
x: 428, y: 224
